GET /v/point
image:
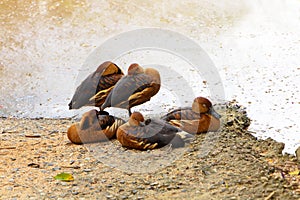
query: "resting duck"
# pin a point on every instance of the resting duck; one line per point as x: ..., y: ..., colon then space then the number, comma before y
x: 154, y: 133
x: 133, y: 89
x: 94, y: 126
x: 95, y: 88
x: 200, y: 118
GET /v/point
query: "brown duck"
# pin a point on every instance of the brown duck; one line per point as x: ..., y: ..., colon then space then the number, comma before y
x: 133, y: 89
x: 95, y: 88
x: 154, y: 133
x: 200, y: 118
x: 94, y: 126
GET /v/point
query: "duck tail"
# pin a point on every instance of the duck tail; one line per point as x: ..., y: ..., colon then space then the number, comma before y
x: 177, y: 142
x: 186, y: 137
x: 107, y: 103
x: 167, y: 117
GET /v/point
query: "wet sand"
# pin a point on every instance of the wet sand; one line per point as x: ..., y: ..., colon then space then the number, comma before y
x: 229, y: 164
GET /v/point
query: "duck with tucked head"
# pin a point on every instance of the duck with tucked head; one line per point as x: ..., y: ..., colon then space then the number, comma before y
x: 137, y: 87
x: 200, y: 118
x: 150, y: 134
x: 95, y: 88
x: 94, y: 126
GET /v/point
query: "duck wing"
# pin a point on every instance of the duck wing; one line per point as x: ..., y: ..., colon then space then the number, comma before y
x: 126, y: 92
x: 160, y: 132
x: 90, y: 91
x: 184, y: 113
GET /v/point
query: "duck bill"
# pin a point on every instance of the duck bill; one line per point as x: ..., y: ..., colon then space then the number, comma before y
x: 214, y: 113
x: 142, y: 124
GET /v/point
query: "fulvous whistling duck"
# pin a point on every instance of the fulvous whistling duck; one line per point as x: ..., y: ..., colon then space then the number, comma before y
x: 134, y: 89
x: 154, y: 133
x: 94, y: 126
x: 95, y: 88
x: 200, y: 118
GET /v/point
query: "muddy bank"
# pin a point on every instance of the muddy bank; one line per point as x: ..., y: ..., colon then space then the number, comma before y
x: 229, y: 164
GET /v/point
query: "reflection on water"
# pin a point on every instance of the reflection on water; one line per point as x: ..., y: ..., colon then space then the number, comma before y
x: 43, y: 43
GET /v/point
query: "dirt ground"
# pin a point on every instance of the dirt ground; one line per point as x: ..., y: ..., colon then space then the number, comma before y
x: 229, y: 164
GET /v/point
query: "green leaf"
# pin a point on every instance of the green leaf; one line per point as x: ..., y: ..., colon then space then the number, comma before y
x: 64, y: 177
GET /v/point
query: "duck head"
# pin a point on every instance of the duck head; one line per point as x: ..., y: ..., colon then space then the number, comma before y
x: 154, y: 74
x: 135, y: 69
x: 107, y: 68
x: 136, y: 119
x: 203, y: 105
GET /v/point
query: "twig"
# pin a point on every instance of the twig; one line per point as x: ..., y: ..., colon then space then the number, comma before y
x: 7, y: 148
x: 74, y: 167
x: 33, y: 136
x: 270, y: 195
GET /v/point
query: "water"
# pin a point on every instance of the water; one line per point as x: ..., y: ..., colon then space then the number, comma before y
x: 255, y: 47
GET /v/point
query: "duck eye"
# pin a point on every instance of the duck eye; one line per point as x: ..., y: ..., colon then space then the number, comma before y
x: 204, y: 105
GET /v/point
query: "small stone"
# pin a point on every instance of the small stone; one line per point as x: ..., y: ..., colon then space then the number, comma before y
x: 15, y: 170
x: 154, y: 184
x: 56, y: 168
x: 74, y: 192
x: 9, y: 188
x: 109, y: 196
x: 64, y: 183
x: 87, y: 170
x: 48, y: 164
x: 140, y: 187
x: 134, y: 191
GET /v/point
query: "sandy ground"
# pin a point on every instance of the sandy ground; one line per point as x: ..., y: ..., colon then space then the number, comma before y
x: 229, y: 164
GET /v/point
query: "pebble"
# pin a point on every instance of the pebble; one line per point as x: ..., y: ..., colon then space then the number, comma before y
x: 154, y: 184
x: 140, y: 187
x: 9, y: 188
x: 48, y: 164
x: 87, y: 170
x: 109, y: 196
x: 56, y: 168
x: 15, y: 170
x: 74, y: 192
x: 64, y: 183
x: 134, y: 191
